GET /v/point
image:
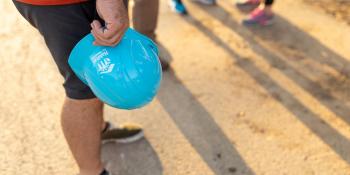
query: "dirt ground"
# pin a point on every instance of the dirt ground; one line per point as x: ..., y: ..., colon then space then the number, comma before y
x: 238, y: 100
x: 339, y: 9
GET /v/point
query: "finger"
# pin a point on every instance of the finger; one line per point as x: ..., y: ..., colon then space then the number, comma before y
x: 100, y: 43
x: 109, y: 42
x: 94, y: 33
x: 111, y: 36
x: 96, y: 24
x: 98, y: 30
x: 108, y: 32
x: 112, y: 30
x: 115, y: 37
x: 100, y: 39
x: 96, y: 27
x: 116, y: 40
x: 96, y: 43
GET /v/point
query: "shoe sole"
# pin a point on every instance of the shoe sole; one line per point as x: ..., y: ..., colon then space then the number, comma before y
x: 268, y: 23
x: 134, y: 138
x: 246, y: 5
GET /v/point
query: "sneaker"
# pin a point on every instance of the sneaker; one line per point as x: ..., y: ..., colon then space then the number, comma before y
x: 126, y: 133
x: 259, y: 16
x: 178, y: 7
x: 206, y: 2
x: 248, y: 2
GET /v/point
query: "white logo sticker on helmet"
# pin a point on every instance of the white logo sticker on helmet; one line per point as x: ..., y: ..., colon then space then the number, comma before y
x: 104, y: 66
x: 102, y: 63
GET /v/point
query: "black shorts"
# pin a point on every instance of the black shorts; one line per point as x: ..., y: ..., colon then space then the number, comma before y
x: 62, y: 27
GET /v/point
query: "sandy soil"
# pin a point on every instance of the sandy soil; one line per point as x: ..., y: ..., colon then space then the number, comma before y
x: 239, y: 100
x: 339, y: 9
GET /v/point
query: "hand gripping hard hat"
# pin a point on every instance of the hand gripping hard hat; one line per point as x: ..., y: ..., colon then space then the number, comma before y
x: 126, y: 76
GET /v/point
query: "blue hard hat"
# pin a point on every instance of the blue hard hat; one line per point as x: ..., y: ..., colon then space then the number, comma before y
x: 126, y: 76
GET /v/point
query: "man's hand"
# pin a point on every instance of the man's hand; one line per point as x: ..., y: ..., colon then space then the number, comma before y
x: 115, y: 15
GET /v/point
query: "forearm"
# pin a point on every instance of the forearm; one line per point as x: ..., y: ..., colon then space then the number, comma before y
x: 112, y: 9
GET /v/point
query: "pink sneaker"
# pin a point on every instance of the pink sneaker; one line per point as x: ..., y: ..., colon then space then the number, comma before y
x: 248, y: 2
x: 259, y: 16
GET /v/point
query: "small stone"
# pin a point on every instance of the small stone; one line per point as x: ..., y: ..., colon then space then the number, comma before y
x: 232, y: 169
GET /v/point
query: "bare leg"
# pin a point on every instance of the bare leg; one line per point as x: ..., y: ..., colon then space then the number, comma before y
x: 267, y: 6
x: 269, y: 2
x: 81, y: 124
x: 145, y: 17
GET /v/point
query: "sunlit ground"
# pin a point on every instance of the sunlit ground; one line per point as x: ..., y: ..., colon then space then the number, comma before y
x: 238, y: 100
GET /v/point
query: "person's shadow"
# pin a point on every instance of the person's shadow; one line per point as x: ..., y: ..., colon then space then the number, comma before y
x: 293, y: 60
x: 130, y: 159
x: 135, y: 158
x: 199, y: 126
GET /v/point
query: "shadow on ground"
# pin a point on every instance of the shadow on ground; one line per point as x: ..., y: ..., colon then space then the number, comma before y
x: 324, y: 131
x: 130, y: 159
x: 199, y: 128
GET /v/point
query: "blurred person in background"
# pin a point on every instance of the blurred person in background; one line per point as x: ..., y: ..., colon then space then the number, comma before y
x: 145, y: 19
x: 262, y: 14
x: 178, y: 6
